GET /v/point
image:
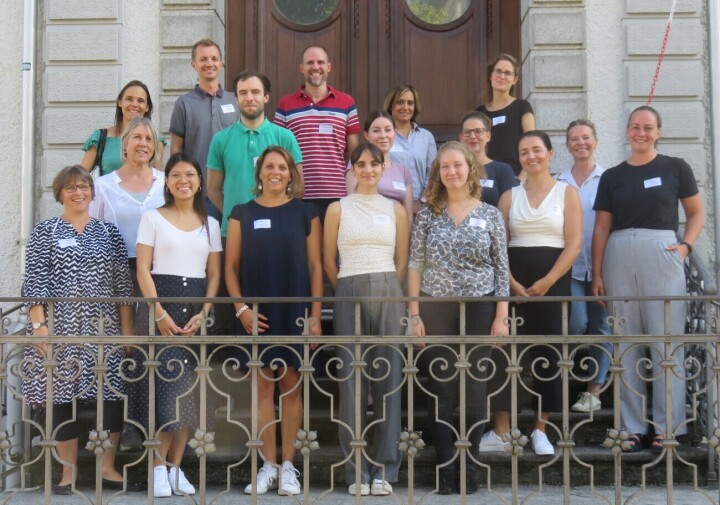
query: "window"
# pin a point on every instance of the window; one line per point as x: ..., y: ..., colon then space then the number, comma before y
x: 306, y: 12
x: 438, y: 12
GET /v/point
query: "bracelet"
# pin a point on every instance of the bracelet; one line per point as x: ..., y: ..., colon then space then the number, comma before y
x: 164, y: 315
x: 241, y: 310
x: 687, y: 244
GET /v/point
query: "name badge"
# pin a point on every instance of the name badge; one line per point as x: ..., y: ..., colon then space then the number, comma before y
x: 651, y: 183
x: 262, y: 223
x: 67, y: 242
x: 382, y: 219
x: 325, y: 129
x: 498, y: 120
x: 255, y: 160
x: 228, y: 108
x: 480, y: 223
x: 396, y: 149
x: 400, y: 186
x: 487, y: 183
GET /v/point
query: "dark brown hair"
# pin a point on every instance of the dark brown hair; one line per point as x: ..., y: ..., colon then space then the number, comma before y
x: 199, y: 198
x: 488, y: 94
x: 293, y: 184
x: 118, y: 109
x: 395, y: 93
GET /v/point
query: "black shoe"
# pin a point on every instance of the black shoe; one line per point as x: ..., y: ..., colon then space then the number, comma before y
x: 118, y: 485
x: 131, y: 440
x: 63, y: 490
x: 471, y: 483
x: 447, y: 484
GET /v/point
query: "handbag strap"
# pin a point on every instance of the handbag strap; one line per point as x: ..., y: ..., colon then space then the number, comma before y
x: 100, y: 149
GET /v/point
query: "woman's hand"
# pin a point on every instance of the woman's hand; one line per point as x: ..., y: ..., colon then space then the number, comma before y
x: 167, y: 327
x: 193, y: 326
x: 246, y: 319
x: 499, y: 328
x: 314, y: 329
x: 417, y: 328
x: 539, y: 287
x: 681, y: 249
x: 597, y: 288
x: 41, y: 332
x: 517, y: 289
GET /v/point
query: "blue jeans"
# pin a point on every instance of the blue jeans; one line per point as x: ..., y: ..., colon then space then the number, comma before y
x: 590, y: 318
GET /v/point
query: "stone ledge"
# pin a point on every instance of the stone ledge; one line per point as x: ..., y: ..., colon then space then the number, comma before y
x: 73, y: 125
x: 678, y: 78
x: 83, y: 43
x: 82, y: 84
x: 644, y: 37
x: 64, y: 10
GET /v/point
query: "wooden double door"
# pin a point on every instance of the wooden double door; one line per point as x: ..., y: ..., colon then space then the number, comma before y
x: 441, y: 47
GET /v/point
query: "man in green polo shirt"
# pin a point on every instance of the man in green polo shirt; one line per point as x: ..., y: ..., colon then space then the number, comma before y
x: 235, y: 149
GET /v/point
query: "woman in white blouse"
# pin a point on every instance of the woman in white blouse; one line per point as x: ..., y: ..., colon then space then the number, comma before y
x: 123, y: 195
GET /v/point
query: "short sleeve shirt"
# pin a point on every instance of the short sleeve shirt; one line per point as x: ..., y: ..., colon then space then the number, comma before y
x: 500, y: 178
x: 646, y: 196
x: 321, y: 130
x: 110, y: 160
x: 506, y: 132
x: 198, y: 115
x: 235, y: 150
x: 168, y: 242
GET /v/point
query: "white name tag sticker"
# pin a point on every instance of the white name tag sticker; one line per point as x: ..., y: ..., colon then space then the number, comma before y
x: 651, y: 183
x: 228, y: 108
x: 498, y: 120
x: 400, y: 186
x: 255, y: 160
x: 480, y: 223
x: 325, y: 129
x: 396, y: 149
x: 487, y: 183
x: 67, y: 242
x: 382, y: 219
x: 262, y: 223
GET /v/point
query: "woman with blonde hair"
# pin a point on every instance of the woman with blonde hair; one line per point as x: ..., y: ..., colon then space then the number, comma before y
x: 458, y: 249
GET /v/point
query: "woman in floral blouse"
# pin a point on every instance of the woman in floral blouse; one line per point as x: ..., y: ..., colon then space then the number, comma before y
x: 458, y: 249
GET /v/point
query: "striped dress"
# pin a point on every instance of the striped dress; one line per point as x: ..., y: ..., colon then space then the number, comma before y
x: 61, y: 262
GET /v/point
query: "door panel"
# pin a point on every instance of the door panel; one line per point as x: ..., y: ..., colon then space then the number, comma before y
x: 374, y: 45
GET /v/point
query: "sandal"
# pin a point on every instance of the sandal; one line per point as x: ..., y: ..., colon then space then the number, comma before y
x: 635, y: 441
x: 656, y: 445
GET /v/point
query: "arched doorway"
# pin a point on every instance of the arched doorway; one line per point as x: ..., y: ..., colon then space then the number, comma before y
x: 439, y: 46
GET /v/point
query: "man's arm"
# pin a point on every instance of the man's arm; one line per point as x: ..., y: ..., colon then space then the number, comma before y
x: 215, y: 186
x: 177, y: 144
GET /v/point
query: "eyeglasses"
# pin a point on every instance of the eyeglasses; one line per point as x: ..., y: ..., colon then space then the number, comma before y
x: 71, y: 188
x: 476, y: 131
x: 190, y: 175
x: 503, y: 73
x: 401, y: 102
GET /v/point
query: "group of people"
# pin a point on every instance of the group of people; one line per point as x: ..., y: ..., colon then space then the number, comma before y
x: 251, y: 208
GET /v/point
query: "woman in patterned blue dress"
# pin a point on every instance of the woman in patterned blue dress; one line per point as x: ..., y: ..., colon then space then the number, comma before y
x: 75, y: 255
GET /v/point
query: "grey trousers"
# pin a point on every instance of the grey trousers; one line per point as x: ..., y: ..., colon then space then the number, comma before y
x: 382, y: 372
x: 637, y: 264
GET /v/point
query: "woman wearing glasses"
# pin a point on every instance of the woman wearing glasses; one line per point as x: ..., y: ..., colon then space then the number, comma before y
x: 511, y: 117
x: 496, y: 177
x: 74, y: 255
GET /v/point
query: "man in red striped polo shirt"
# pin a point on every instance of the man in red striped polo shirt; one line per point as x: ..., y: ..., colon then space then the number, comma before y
x: 325, y: 124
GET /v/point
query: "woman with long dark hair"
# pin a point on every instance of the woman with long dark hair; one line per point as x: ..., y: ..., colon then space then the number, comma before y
x: 133, y: 101
x: 178, y: 248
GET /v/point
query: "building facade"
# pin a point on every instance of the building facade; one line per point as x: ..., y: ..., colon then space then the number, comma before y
x: 580, y: 58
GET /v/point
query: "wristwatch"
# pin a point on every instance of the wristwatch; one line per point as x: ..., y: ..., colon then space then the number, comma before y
x: 37, y: 326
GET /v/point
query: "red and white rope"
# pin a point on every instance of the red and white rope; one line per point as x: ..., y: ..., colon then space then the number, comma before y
x: 662, y: 52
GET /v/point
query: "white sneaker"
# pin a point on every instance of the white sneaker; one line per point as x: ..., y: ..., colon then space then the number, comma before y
x: 265, y: 481
x: 161, y: 484
x: 179, y: 483
x: 289, y: 483
x: 380, y: 488
x: 541, y: 444
x: 364, y: 489
x: 492, y: 442
x: 586, y: 402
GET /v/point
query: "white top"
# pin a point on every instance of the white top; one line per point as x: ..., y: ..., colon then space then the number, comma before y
x: 582, y: 268
x: 541, y: 227
x: 178, y: 252
x: 366, y: 235
x: 114, y: 204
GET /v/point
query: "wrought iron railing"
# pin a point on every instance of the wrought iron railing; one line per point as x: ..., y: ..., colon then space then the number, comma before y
x: 226, y: 371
